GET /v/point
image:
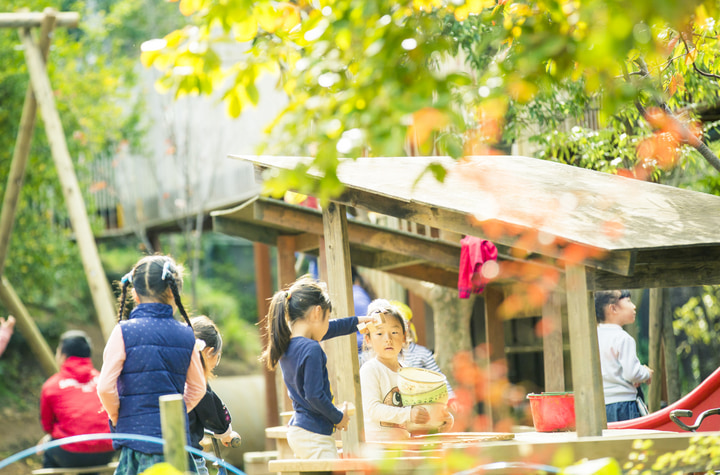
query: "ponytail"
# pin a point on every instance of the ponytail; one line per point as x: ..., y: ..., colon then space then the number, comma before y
x: 287, y: 306
x: 277, y: 329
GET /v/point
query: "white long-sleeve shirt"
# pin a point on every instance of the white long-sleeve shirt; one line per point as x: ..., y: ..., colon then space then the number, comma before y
x: 384, y: 418
x: 621, y: 368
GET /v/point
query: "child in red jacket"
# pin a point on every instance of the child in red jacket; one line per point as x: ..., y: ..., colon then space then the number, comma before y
x: 69, y: 405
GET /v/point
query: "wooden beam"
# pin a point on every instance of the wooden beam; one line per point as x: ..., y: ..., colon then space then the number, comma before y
x: 343, y: 349
x: 27, y: 327
x: 35, y: 19
x: 367, y: 234
x: 21, y: 152
x: 263, y: 294
x: 103, y: 299
x: 244, y: 230
x: 702, y: 267
x: 587, y: 377
x: 428, y: 274
x: 619, y: 262
x: 553, y: 358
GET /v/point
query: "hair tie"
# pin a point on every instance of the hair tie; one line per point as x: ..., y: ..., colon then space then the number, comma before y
x: 288, y: 295
x: 200, y: 344
x: 166, y: 270
x: 127, y: 278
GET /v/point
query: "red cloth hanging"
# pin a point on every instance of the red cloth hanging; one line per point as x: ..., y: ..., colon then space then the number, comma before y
x: 474, y: 252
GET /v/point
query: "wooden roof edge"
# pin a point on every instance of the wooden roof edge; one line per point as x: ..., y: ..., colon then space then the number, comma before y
x: 35, y: 19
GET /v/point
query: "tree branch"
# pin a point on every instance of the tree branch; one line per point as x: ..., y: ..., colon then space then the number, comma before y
x: 686, y: 136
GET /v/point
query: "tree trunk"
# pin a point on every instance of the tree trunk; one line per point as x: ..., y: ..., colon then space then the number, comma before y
x: 451, y: 319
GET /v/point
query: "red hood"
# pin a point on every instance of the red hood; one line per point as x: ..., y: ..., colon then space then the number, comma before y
x: 77, y: 368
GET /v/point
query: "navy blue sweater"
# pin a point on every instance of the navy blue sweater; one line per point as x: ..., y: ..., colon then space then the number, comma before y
x: 304, y: 368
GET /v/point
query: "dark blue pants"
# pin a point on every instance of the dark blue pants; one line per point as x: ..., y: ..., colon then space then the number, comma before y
x: 57, y: 457
x: 622, y: 411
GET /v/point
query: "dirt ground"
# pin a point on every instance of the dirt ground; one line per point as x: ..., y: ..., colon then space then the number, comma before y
x: 19, y: 431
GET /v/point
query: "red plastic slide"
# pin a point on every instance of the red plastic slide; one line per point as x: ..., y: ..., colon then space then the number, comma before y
x: 705, y: 396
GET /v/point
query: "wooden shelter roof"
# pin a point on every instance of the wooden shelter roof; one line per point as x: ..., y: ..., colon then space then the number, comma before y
x: 399, y: 252
x: 631, y: 233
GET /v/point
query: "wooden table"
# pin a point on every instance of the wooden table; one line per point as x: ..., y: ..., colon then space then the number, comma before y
x: 425, y: 457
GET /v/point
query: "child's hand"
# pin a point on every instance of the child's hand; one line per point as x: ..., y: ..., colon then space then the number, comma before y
x: 367, y: 324
x: 651, y: 374
x: 375, y: 318
x: 8, y: 323
x: 419, y: 415
x: 448, y: 422
x: 232, y: 439
x: 343, y: 424
x: 453, y: 404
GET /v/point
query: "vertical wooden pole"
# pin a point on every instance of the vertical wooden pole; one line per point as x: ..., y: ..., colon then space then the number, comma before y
x: 97, y: 280
x: 343, y: 349
x: 263, y: 293
x: 172, y: 421
x: 495, y: 341
x: 654, y: 351
x: 286, y: 276
x: 672, y: 373
x: 27, y: 327
x: 22, y: 148
x: 587, y: 378
x: 553, y: 358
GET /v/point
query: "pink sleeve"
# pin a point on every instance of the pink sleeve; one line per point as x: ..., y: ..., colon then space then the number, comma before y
x: 195, y: 384
x: 113, y: 360
x: 5, y: 334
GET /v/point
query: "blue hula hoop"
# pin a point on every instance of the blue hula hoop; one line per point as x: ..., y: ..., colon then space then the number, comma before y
x: 86, y: 437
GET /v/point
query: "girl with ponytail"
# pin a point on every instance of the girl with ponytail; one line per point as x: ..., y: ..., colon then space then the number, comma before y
x: 298, y: 319
x: 148, y: 354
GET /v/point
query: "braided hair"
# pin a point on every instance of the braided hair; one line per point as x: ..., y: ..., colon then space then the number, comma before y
x: 287, y: 306
x: 151, y: 277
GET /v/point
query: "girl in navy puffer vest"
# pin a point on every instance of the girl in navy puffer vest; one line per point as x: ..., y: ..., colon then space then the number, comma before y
x: 148, y: 355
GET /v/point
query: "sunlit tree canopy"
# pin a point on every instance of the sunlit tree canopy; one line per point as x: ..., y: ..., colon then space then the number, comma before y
x: 456, y: 77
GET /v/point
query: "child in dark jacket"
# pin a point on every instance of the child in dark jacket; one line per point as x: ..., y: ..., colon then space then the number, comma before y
x: 210, y: 413
x: 147, y: 356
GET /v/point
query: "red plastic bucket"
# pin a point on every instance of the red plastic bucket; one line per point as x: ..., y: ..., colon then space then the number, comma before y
x: 553, y: 412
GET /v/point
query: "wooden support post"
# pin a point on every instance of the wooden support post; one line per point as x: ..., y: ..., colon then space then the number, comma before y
x: 97, y: 280
x: 172, y: 421
x: 587, y: 377
x: 263, y: 294
x: 22, y: 148
x: 655, y: 322
x: 672, y: 373
x: 27, y: 327
x: 286, y: 276
x: 343, y: 349
x: 553, y: 358
x: 495, y: 340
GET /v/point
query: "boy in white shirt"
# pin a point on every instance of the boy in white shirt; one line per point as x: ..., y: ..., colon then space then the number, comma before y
x: 622, y: 371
